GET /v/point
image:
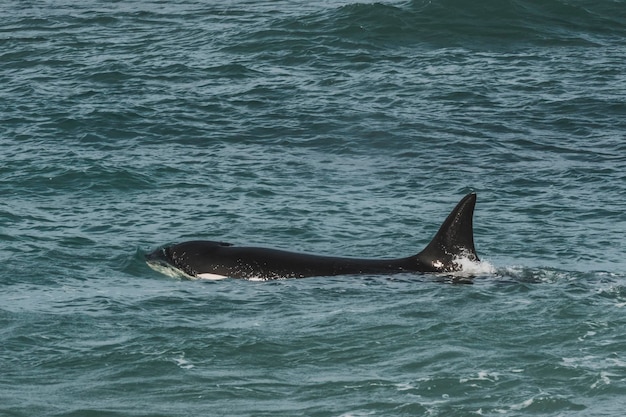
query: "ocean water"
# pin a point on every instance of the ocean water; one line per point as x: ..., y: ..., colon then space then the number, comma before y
x: 331, y: 127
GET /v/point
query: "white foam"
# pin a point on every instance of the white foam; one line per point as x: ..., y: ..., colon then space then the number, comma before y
x: 522, y: 405
x: 467, y: 267
x: 482, y: 376
x: 604, y: 380
x: 404, y: 386
x: 183, y: 363
x: 257, y: 279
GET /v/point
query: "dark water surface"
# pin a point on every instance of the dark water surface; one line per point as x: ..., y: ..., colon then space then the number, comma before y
x: 329, y: 127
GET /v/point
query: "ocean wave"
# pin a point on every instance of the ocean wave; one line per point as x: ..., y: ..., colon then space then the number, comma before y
x: 460, y: 23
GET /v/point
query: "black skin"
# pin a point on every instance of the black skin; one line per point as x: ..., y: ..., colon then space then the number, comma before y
x: 453, y: 240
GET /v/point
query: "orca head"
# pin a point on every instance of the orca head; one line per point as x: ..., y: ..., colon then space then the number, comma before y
x: 192, y: 259
x: 161, y: 260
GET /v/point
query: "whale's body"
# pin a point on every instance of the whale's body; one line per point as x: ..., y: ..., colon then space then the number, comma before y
x: 209, y: 259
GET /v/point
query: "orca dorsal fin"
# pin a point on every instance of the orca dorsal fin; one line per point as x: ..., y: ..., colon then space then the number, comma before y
x: 455, y: 239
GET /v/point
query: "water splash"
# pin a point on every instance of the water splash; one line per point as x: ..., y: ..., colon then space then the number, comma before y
x: 468, y: 267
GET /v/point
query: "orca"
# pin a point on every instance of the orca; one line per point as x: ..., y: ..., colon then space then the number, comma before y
x: 217, y: 260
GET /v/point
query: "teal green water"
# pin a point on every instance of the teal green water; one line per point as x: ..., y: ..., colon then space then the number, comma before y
x: 337, y: 128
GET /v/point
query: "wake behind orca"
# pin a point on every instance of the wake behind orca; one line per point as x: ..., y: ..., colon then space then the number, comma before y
x: 215, y: 260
